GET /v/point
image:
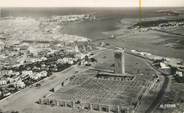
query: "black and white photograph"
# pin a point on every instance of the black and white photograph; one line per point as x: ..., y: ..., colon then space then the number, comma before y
x: 91, y: 56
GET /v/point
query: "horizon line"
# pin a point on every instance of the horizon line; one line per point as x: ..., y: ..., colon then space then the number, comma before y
x: 91, y: 7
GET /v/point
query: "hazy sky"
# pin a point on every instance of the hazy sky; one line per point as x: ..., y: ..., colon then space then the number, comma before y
x: 89, y: 3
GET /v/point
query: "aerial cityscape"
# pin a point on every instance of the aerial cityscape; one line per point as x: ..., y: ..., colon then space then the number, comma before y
x: 92, y: 60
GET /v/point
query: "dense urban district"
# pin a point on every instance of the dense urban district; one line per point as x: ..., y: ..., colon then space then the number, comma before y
x: 43, y: 70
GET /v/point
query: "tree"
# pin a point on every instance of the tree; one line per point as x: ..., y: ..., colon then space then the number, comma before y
x: 86, y: 58
x: 93, y: 60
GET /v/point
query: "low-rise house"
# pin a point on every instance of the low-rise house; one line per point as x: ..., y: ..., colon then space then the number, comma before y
x: 164, y: 66
x: 20, y: 84
x: 3, y: 56
x: 26, y: 73
x: 6, y: 94
x: 66, y: 60
x: 35, y: 60
x: 34, y: 77
x: 60, y: 61
x: 80, y: 56
x: 16, y: 73
x: 43, y: 58
x: 6, y: 72
x: 3, y: 82
x: 10, y: 80
x: 179, y: 73
x: 43, y: 73
x: 39, y: 75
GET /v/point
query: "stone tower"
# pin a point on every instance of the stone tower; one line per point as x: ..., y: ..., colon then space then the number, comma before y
x: 119, y: 61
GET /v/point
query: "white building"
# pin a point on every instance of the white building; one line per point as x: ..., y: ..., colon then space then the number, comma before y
x: 6, y: 72
x: 20, y: 84
x: 66, y: 60
x: 38, y: 75
x: 80, y: 56
x: 164, y: 66
x: 179, y: 73
x: 10, y: 80
x: 3, y: 82
x: 34, y: 77
x: 25, y: 73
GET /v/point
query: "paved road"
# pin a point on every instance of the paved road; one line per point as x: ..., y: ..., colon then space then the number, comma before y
x: 165, y: 79
x: 168, y: 32
x: 159, y: 96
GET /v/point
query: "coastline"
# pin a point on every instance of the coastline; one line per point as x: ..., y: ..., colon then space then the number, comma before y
x: 143, y: 41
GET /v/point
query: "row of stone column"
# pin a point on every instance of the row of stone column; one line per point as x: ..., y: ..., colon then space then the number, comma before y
x: 87, y: 106
x: 105, y: 108
x: 123, y: 78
